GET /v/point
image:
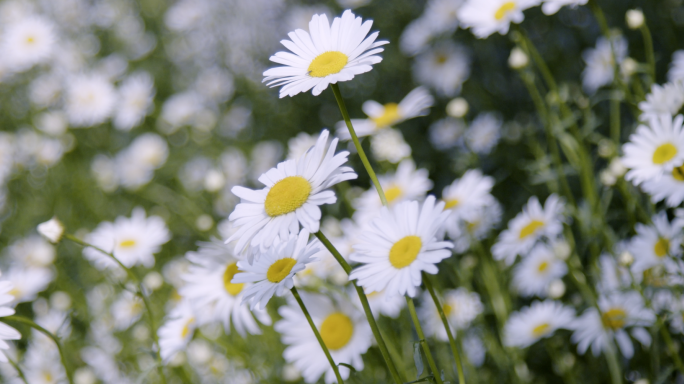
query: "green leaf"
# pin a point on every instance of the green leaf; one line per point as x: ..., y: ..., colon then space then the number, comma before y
x: 418, y: 359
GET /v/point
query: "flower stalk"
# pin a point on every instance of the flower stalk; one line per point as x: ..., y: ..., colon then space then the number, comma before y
x: 423, y: 343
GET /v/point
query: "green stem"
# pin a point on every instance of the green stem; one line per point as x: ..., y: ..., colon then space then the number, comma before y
x: 357, y: 144
x: 670, y: 345
x: 452, y: 341
x: 318, y: 335
x: 18, y: 369
x: 650, y: 53
x: 426, y: 349
x: 366, y: 308
x: 49, y: 334
x: 138, y: 282
x: 615, y: 120
x: 613, y: 363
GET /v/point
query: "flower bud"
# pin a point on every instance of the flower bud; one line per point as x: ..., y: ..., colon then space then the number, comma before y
x: 556, y: 289
x: 518, y: 59
x: 51, y: 230
x: 626, y: 259
x: 457, y: 107
x: 635, y: 18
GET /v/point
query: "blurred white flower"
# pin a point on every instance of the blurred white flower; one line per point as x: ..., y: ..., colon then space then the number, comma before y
x: 552, y: 6
x: 485, y: 17
x: 27, y: 41
x: 666, y: 99
x: 389, y: 145
x: 484, y: 133
x: 51, y: 230
x: 90, y: 100
x: 602, y: 61
x: 177, y: 331
x: 135, y: 101
x: 446, y: 133
x: 535, y: 273
x: 444, y: 67
x: 539, y: 320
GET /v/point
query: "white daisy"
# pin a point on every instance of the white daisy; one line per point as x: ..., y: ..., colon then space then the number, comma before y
x: 28, y: 41
x: 325, y: 55
x: 669, y: 187
x: 177, y: 331
x: 552, y: 6
x: 42, y: 364
x: 211, y: 293
x: 536, y: 272
x: 485, y: 17
x: 398, y: 245
x: 407, y: 183
x: 447, y: 133
x: 343, y: 328
x: 484, y: 133
x: 655, y: 149
x: 272, y: 272
x: 416, y: 36
x: 415, y: 104
x: 126, y: 310
x: 539, y: 320
x: 460, y: 308
x: 389, y: 145
x: 90, y: 100
x: 601, y: 62
x: 28, y: 282
x: 6, y: 332
x: 656, y: 244
x: 294, y: 190
x: 444, y: 67
x: 618, y: 312
x: 132, y: 240
x: 476, y: 227
x: 533, y: 223
x: 136, y: 96
x: 32, y: 252
x: 676, y: 72
x: 666, y: 99
x: 466, y: 197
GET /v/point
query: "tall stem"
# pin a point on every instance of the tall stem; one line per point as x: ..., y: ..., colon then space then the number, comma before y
x: 357, y: 144
x: 318, y: 335
x: 49, y: 334
x: 670, y: 345
x: 138, y: 283
x: 366, y: 308
x: 426, y: 349
x: 613, y: 363
x: 18, y: 369
x: 452, y: 341
x: 615, y: 119
x: 650, y: 54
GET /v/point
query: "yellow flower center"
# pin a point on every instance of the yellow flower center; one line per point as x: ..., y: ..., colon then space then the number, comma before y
x: 327, y: 63
x: 280, y: 269
x: 232, y: 288
x: 541, y: 330
x: 530, y: 228
x: 336, y: 331
x: 186, y: 327
x: 127, y: 243
x: 543, y: 266
x: 404, y: 251
x: 441, y: 59
x: 614, y: 318
x: 662, y: 246
x: 504, y: 10
x: 287, y: 195
x: 451, y: 203
x: 30, y: 40
x: 389, y: 116
x: 678, y: 173
x: 447, y: 309
x: 393, y: 193
x: 664, y: 153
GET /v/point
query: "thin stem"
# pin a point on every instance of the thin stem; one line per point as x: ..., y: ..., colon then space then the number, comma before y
x: 366, y: 308
x: 670, y: 345
x: 18, y: 369
x: 318, y: 335
x: 426, y: 349
x: 452, y: 341
x: 49, y: 334
x: 650, y: 54
x: 138, y: 282
x: 615, y: 119
x: 613, y: 364
x: 357, y: 144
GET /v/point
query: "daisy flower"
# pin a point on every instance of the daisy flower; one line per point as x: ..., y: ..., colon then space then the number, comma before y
x: 476, y: 227
x: 389, y: 145
x: 656, y: 244
x: 540, y: 320
x: 343, y: 328
x: 327, y: 54
x: 676, y: 71
x: 32, y: 252
x: 6, y: 332
x: 460, y: 308
x: 177, y: 332
x: 466, y: 196
x: 294, y: 190
x: 132, y: 241
x: 447, y: 133
x: 533, y: 223
x: 552, y: 6
x: 28, y: 282
x: 444, y: 67
x: 665, y: 99
x: 485, y: 17
x: 618, y: 312
x: 670, y: 187
x: 212, y: 294
x: 415, y: 104
x: 398, y: 245
x: 126, y: 310
x: 654, y: 149
x: 136, y: 96
x: 407, y: 183
x: 535, y: 273
x: 484, y: 133
x: 601, y: 62
x: 90, y: 99
x: 28, y: 41
x: 272, y: 272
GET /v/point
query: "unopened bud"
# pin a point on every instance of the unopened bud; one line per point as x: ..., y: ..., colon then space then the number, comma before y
x: 607, y: 178
x: 51, y: 230
x: 628, y: 67
x: 635, y: 18
x: 617, y: 167
x: 518, y: 59
x: 457, y: 107
x: 562, y: 250
x: 556, y: 289
x: 626, y: 259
